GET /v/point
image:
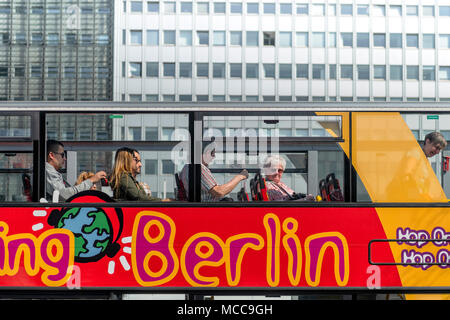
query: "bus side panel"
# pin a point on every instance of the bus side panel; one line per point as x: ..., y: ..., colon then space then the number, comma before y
x: 174, y: 247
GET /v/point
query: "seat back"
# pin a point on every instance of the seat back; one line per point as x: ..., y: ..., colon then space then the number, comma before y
x: 259, y: 188
x: 333, y: 188
x: 181, y: 193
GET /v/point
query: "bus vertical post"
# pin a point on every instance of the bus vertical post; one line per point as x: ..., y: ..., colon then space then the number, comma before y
x: 38, y: 128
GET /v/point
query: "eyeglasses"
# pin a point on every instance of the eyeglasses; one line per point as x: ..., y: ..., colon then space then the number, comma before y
x: 62, y: 154
x: 280, y: 170
x: 137, y: 160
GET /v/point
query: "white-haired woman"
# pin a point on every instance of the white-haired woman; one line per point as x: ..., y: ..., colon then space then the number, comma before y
x: 274, y: 167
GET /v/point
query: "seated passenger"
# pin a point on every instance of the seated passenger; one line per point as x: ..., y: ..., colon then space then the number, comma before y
x: 84, y: 176
x: 274, y: 167
x: 123, y: 179
x: 211, y: 191
x: 433, y: 144
x: 56, y: 159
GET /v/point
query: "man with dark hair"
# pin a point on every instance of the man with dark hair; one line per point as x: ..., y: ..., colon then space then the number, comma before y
x: 56, y: 159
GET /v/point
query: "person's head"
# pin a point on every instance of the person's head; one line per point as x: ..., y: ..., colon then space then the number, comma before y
x: 274, y: 167
x: 209, y: 153
x: 55, y: 154
x: 434, y: 143
x: 84, y: 176
x: 123, y: 164
x: 137, y: 163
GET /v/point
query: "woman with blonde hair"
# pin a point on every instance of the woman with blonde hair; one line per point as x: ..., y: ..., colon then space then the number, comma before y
x: 123, y: 178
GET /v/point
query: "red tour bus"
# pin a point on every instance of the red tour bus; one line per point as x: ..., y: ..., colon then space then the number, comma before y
x: 377, y: 223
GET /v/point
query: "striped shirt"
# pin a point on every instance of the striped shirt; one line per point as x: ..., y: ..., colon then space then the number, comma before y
x: 278, y: 191
x: 207, y: 180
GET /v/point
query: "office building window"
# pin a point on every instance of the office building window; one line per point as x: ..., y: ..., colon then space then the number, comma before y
x: 429, y: 73
x: 332, y: 72
x: 153, y: 6
x: 236, y: 7
x: 169, y: 7
x: 252, y: 7
x: 362, y: 40
x: 185, y: 38
x: 269, y: 8
x: 152, y: 69
x: 203, y: 38
x: 412, y: 10
x: 379, y: 72
x: 285, y: 8
x: 318, y: 71
x: 185, y: 97
x: 347, y: 71
x: 169, y: 69
x: 269, y: 38
x: 412, y: 72
x: 135, y: 69
x: 363, y: 72
x: 185, y: 70
x: 186, y: 7
x: 285, y: 71
x: 285, y: 39
x: 302, y: 8
x: 444, y: 41
x: 318, y: 9
x: 379, y: 10
x: 362, y: 9
x: 219, y: 7
x: 444, y: 11
x: 347, y: 39
x: 346, y: 9
x: 235, y: 70
x: 428, y: 41
x: 302, y: 39
x: 412, y: 40
x: 252, y: 70
x: 169, y: 37
x: 151, y: 166
x: 218, y: 70
x: 395, y: 11
x: 269, y: 70
x: 332, y: 40
x: 302, y: 71
x: 152, y: 37
x: 318, y: 40
x: 252, y: 39
x: 444, y: 73
x: 236, y: 38
x: 219, y: 38
x: 203, y: 7
x: 395, y: 40
x: 379, y: 40
x: 136, y: 6
x: 428, y: 11
x: 202, y: 69
x: 136, y: 37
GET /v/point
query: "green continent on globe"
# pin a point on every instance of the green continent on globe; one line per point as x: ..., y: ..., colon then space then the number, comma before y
x: 101, y: 224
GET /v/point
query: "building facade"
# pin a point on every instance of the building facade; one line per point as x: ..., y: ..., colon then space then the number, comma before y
x: 56, y: 50
x: 282, y: 51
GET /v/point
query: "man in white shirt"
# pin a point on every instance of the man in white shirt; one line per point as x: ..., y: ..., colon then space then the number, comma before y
x: 56, y: 159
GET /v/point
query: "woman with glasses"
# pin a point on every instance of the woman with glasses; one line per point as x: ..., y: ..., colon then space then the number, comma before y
x: 274, y: 167
x: 125, y: 187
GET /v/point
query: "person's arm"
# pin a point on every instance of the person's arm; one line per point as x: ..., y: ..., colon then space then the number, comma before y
x: 220, y: 191
x: 132, y: 192
x: 55, y: 182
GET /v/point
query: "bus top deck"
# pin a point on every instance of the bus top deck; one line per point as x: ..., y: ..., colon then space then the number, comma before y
x: 381, y: 221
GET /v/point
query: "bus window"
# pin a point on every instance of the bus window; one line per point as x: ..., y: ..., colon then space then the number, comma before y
x: 306, y: 143
x: 16, y: 158
x: 91, y: 141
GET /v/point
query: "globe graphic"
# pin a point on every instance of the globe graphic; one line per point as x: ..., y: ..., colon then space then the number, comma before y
x: 92, y: 231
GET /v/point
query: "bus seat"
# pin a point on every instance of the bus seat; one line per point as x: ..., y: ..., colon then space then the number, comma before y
x: 323, y: 190
x: 181, y: 194
x: 259, y: 188
x: 333, y: 188
x: 242, y: 195
x: 26, y: 183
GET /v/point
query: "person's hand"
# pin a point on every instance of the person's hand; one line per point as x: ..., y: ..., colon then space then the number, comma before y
x: 98, y: 176
x: 166, y: 200
x: 146, y: 188
x: 244, y: 174
x: 310, y: 197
